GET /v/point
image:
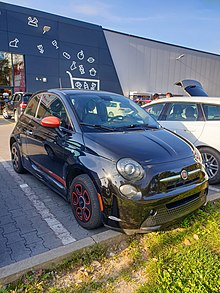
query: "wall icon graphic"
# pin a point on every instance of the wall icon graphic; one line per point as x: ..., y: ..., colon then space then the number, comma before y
x: 82, y: 83
x: 54, y: 43
x: 40, y: 48
x: 80, y: 55
x: 33, y: 21
x: 14, y: 43
x: 91, y: 60
x: 81, y: 69
x: 73, y: 65
x: 92, y: 72
x: 66, y: 55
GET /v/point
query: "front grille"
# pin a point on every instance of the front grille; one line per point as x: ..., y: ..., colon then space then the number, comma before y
x: 175, y: 210
x: 182, y: 201
x: 169, y: 183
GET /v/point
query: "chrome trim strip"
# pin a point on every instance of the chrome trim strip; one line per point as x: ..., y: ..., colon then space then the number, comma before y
x: 170, y: 178
x: 175, y: 177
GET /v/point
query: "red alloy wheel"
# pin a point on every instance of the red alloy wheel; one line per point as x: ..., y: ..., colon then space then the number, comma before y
x: 81, y: 203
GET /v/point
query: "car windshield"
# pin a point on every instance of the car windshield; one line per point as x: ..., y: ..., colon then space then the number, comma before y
x: 110, y: 112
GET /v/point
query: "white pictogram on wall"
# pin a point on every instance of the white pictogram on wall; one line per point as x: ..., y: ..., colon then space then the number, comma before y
x: 33, y: 21
x: 80, y: 55
x: 14, y: 43
x: 40, y: 48
x: 66, y: 55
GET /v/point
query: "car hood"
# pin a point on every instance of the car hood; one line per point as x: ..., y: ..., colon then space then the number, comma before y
x: 151, y: 146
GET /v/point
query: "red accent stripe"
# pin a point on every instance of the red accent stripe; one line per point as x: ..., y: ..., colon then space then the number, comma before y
x: 55, y: 176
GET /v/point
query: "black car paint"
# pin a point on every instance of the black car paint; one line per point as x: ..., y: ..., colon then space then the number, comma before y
x: 57, y: 156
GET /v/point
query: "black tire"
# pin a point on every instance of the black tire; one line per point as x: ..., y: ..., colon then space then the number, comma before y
x: 211, y: 160
x: 5, y: 114
x: 16, y: 159
x: 85, y: 203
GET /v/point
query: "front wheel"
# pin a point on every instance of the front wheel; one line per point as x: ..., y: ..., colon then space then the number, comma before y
x: 85, y: 202
x: 211, y: 160
x: 16, y: 159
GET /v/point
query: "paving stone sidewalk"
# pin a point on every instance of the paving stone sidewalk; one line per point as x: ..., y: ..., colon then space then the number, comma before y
x: 23, y: 231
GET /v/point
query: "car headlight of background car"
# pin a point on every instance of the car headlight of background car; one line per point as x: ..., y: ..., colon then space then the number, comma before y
x: 197, y: 155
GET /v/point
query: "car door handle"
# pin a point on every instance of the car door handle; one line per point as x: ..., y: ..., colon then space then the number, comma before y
x: 29, y: 132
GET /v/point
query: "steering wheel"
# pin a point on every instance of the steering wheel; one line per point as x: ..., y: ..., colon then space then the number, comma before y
x: 118, y: 117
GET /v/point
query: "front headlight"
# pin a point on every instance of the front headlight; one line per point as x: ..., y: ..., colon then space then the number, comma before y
x: 197, y: 155
x: 130, y: 169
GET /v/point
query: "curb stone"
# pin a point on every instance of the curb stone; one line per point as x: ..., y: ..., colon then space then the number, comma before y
x: 47, y: 259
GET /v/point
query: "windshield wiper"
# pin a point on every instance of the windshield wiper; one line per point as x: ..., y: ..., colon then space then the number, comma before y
x: 139, y: 126
x: 97, y: 126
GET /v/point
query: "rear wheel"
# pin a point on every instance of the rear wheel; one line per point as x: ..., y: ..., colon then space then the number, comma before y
x: 5, y: 114
x: 16, y: 159
x: 211, y: 160
x: 85, y: 203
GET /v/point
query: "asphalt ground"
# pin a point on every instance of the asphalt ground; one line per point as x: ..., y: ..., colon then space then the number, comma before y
x: 37, y: 225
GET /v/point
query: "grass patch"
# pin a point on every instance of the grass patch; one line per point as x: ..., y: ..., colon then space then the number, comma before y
x: 184, y: 259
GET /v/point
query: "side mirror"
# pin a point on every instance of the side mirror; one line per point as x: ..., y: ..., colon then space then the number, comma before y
x: 50, y: 122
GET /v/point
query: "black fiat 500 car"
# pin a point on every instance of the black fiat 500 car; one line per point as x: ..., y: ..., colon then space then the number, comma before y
x: 125, y: 171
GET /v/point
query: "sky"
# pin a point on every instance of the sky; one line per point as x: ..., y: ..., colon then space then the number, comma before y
x: 188, y: 23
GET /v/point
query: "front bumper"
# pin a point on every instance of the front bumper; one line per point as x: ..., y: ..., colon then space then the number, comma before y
x: 158, y: 211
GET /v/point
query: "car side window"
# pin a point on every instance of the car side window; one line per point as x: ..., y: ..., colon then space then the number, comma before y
x: 155, y: 110
x: 182, y: 112
x: 51, y: 105
x: 212, y: 112
x: 17, y: 97
x: 32, y: 106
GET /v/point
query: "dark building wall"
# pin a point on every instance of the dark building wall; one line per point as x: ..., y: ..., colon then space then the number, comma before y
x: 70, y: 54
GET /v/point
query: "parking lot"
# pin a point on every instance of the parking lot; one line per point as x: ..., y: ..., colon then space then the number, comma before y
x: 34, y: 219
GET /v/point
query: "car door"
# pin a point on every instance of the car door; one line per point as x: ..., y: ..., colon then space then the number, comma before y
x: 209, y: 136
x: 179, y: 119
x: 45, y: 146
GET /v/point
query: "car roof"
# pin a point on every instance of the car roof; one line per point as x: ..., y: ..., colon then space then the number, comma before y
x: 76, y: 91
x: 200, y: 100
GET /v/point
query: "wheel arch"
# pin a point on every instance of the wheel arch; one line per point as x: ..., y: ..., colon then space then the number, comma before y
x: 207, y: 146
x: 75, y: 171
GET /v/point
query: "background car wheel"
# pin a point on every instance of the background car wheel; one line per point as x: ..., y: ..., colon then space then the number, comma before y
x: 85, y: 202
x: 16, y: 116
x: 16, y: 159
x: 211, y: 160
x: 5, y: 114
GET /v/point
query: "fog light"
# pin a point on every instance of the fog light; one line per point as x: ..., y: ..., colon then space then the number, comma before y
x: 130, y: 192
x: 153, y: 213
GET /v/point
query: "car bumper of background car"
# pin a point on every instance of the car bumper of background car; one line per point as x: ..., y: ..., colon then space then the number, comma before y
x: 156, y: 212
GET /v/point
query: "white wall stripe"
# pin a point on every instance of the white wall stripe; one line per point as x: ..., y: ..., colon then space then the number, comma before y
x: 60, y: 231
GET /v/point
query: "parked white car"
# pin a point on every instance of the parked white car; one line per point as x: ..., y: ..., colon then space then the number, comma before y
x: 196, y: 119
x: 116, y: 109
